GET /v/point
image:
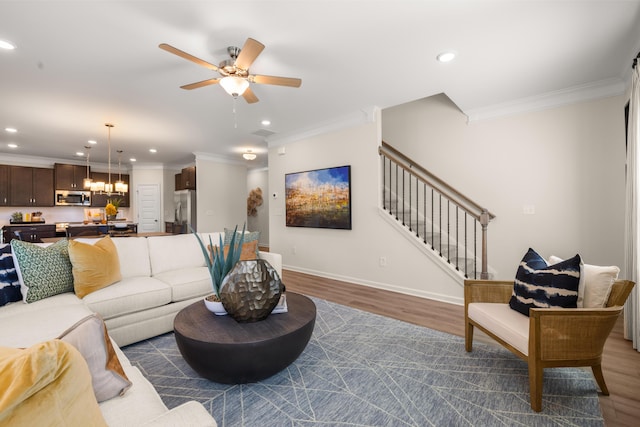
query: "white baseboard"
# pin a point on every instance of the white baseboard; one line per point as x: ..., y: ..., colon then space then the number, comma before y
x: 387, y: 287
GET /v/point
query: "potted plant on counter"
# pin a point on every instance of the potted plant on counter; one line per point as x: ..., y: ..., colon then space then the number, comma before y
x: 111, y: 210
x: 219, y: 266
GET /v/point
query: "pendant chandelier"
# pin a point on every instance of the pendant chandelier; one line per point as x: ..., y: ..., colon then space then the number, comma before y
x: 102, y: 187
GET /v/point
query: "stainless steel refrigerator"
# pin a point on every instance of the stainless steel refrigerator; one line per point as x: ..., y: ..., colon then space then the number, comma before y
x: 185, y: 214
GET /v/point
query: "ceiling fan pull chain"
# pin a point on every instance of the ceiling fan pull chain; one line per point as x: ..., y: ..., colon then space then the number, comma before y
x: 235, y: 115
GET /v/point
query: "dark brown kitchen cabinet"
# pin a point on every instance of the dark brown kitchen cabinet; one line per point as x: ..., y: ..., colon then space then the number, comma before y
x: 31, y: 186
x: 100, y: 200
x: 188, y: 178
x: 29, y: 233
x: 4, y: 185
x: 69, y: 177
x: 178, y: 182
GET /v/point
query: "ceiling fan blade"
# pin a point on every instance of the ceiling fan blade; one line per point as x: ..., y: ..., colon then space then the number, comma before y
x: 200, y: 84
x: 274, y: 80
x: 187, y: 56
x: 249, y: 53
x: 249, y: 96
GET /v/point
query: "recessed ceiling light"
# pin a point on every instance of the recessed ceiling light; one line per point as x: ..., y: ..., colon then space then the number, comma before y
x: 446, y: 56
x: 133, y: 159
x: 11, y: 130
x: 266, y: 122
x: 153, y: 150
x: 12, y: 145
x: 7, y: 45
x: 79, y: 153
x: 92, y: 141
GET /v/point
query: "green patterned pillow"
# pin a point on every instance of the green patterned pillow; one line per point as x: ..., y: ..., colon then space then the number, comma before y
x: 44, y: 271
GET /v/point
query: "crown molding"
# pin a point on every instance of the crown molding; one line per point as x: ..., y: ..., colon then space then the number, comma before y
x: 362, y: 116
x: 218, y: 159
x: 586, y: 92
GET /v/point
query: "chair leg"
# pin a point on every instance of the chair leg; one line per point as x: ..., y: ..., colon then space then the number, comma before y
x: 536, y: 375
x: 597, y: 373
x: 468, y: 336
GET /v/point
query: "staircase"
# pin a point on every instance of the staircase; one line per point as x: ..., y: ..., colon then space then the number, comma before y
x: 448, y: 223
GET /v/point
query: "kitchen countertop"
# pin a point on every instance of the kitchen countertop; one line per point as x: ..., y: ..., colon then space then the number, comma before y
x: 97, y: 224
x: 158, y: 233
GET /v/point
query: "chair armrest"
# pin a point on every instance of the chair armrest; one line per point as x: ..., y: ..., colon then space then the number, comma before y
x: 557, y: 334
x: 498, y: 291
x: 274, y: 259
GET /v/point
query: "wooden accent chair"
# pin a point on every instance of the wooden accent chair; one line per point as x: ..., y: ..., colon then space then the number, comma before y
x: 550, y: 337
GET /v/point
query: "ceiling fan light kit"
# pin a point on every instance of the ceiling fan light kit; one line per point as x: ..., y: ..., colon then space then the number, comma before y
x: 249, y: 155
x: 234, y: 86
x: 235, y: 77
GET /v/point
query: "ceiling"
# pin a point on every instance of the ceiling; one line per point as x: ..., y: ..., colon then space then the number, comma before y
x: 80, y: 64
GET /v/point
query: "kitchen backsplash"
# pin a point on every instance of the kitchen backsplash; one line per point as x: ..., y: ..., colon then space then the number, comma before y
x: 52, y: 215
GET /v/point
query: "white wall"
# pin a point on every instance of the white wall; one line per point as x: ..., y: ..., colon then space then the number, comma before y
x: 260, y: 178
x: 221, y: 193
x: 568, y: 162
x: 168, y: 205
x: 351, y: 255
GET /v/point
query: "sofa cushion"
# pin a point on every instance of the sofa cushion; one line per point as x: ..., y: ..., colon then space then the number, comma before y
x: 538, y: 284
x: 9, y: 283
x: 177, y: 252
x: 128, y: 296
x: 94, y: 266
x: 595, y: 283
x: 90, y: 337
x: 36, y: 322
x: 46, y: 384
x: 505, y: 323
x: 190, y: 413
x: 43, y: 271
x: 140, y: 404
x: 187, y: 283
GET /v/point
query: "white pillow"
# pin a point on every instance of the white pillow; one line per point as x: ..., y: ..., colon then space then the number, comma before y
x: 595, y: 283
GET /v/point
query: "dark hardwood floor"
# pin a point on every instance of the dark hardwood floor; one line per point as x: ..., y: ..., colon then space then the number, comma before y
x: 621, y: 363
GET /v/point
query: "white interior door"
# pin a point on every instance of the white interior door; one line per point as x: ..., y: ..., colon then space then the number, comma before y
x: 148, y: 208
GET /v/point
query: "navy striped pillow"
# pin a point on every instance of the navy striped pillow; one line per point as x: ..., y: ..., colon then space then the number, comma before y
x: 9, y: 284
x: 540, y: 285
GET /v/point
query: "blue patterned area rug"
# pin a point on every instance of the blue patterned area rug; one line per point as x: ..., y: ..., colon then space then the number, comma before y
x: 361, y: 369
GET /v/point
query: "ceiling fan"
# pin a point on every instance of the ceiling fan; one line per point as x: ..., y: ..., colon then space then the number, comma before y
x: 235, y: 77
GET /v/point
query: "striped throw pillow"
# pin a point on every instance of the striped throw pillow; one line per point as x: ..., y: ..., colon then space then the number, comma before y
x: 540, y: 285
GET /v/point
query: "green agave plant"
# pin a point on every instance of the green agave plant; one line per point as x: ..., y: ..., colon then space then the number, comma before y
x: 217, y: 264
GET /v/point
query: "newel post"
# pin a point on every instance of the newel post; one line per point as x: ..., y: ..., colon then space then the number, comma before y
x: 484, y: 222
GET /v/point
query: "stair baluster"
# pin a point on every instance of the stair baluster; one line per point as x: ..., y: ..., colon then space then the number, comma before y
x: 458, y: 252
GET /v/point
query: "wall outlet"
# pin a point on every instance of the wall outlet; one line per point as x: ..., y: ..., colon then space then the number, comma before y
x: 383, y: 261
x: 529, y: 209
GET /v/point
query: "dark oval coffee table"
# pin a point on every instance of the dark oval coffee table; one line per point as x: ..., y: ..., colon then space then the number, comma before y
x: 225, y: 351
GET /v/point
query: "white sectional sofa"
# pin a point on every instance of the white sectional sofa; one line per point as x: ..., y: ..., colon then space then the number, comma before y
x: 160, y: 276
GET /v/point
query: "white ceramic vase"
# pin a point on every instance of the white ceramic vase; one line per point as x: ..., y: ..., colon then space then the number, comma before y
x: 215, y: 307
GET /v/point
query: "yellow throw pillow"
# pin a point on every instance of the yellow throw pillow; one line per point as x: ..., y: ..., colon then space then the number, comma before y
x: 249, y: 251
x: 46, y: 384
x: 94, y: 266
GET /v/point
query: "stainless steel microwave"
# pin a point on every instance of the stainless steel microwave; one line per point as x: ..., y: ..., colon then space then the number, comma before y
x: 73, y: 198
